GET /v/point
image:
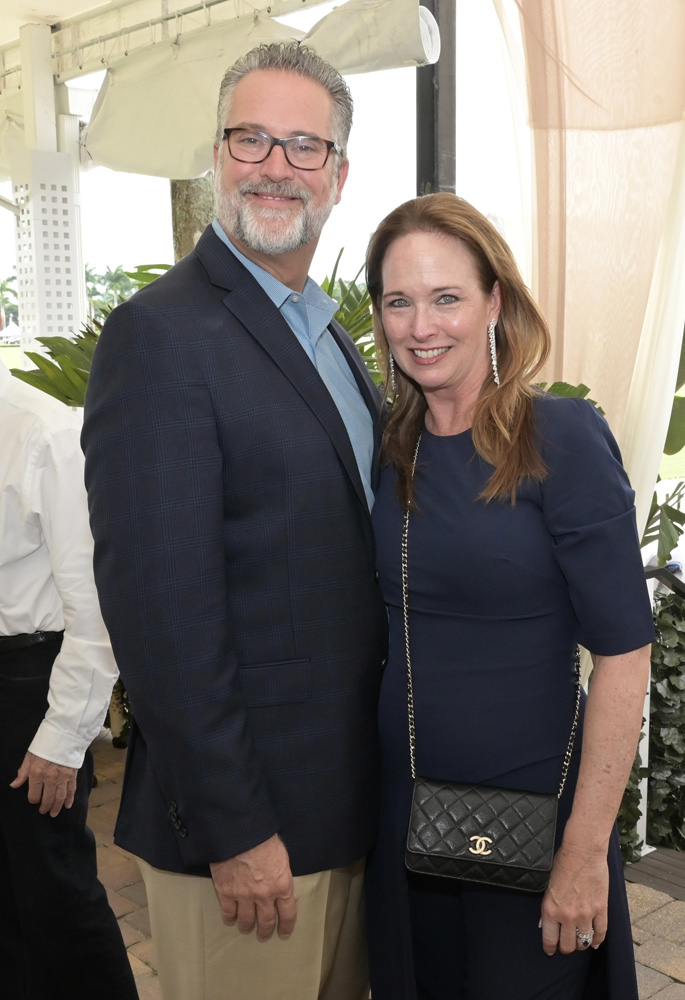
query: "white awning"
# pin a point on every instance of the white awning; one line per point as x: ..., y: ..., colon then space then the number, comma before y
x: 156, y: 112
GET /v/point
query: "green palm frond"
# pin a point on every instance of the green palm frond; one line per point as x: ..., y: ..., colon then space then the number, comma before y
x: 64, y: 374
x: 354, y: 315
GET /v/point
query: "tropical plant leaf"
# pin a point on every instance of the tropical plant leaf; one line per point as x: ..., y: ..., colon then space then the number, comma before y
x: 79, y: 351
x: 65, y: 376
x: 328, y: 284
x: 41, y: 381
x: 570, y: 391
x: 668, y: 538
x: 674, y: 513
x: 665, y: 523
x: 52, y: 371
x: 76, y: 376
x: 354, y: 314
x: 680, y: 382
x: 675, y: 436
x: 144, y: 274
x: 666, y: 788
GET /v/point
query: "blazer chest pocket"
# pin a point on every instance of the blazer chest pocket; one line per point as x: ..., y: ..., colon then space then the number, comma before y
x: 283, y: 683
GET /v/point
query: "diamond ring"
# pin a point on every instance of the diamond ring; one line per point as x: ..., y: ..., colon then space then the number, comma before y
x: 585, y: 939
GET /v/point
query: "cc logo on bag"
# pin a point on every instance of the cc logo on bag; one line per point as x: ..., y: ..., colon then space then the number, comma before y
x: 480, y: 847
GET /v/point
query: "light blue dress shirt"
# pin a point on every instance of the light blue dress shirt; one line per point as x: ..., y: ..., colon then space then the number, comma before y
x: 308, y: 314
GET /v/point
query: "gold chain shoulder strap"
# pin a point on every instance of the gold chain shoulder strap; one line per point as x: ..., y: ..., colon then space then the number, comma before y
x: 410, y: 684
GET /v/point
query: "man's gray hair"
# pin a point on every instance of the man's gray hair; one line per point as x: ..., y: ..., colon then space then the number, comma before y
x: 294, y: 58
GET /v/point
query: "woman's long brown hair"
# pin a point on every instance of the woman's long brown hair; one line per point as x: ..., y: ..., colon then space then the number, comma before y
x: 503, y: 424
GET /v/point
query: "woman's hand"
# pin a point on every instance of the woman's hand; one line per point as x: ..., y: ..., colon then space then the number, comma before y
x: 576, y: 899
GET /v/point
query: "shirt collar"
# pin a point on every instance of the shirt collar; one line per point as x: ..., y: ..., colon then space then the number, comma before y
x: 313, y: 295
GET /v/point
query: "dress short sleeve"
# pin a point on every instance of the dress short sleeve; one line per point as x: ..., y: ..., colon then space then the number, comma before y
x: 588, y: 508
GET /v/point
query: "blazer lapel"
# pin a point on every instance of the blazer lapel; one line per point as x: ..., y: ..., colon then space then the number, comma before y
x: 253, y: 308
x: 367, y: 387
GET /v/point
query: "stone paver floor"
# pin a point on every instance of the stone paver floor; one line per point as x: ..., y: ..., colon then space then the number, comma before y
x: 659, y: 935
x: 658, y: 919
x: 118, y: 871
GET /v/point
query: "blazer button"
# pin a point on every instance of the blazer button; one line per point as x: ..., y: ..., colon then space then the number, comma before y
x: 182, y: 832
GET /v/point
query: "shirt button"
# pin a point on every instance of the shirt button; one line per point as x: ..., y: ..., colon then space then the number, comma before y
x: 295, y: 298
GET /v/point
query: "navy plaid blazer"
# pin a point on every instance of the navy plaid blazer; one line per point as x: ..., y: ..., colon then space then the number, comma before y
x: 234, y: 563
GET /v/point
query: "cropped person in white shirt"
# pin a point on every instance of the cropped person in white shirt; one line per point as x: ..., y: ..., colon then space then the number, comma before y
x: 58, y: 935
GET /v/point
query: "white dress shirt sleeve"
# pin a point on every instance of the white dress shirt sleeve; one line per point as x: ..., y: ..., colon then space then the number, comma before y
x: 84, y: 671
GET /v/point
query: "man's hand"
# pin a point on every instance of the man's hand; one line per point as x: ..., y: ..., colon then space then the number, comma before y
x: 51, y: 786
x: 257, y: 887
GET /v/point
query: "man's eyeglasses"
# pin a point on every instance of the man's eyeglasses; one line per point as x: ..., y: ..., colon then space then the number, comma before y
x: 305, y: 152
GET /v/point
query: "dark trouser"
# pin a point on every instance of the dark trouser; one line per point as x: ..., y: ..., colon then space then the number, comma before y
x: 59, y: 939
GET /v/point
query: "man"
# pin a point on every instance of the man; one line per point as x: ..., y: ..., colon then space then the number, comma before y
x: 229, y: 437
x: 58, y: 935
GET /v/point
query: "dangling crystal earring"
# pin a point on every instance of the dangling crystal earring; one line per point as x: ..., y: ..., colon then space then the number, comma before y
x: 493, y: 350
x: 393, y: 380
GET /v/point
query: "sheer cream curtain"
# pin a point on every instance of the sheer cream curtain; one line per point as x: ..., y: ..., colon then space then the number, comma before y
x: 648, y: 407
x: 606, y: 94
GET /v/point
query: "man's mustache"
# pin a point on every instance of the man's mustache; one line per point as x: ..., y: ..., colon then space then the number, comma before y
x: 284, y: 190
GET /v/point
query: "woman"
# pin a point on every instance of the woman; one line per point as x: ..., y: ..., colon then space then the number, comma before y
x: 521, y: 543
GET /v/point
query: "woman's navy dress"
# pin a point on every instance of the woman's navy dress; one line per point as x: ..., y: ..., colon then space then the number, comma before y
x: 499, y: 596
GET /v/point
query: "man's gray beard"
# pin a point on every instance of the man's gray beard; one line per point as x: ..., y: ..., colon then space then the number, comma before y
x: 271, y: 231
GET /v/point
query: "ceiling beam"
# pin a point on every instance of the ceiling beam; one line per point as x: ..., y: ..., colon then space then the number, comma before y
x: 89, y: 42
x: 9, y: 205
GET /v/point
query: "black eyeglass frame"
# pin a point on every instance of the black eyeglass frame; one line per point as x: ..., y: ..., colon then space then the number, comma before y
x: 330, y: 145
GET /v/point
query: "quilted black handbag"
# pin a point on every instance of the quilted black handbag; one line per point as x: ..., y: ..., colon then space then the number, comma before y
x: 478, y: 833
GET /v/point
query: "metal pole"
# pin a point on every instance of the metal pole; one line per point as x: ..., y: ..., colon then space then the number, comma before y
x: 436, y: 107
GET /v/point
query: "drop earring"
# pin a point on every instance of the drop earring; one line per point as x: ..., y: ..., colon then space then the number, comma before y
x: 393, y: 380
x: 493, y: 349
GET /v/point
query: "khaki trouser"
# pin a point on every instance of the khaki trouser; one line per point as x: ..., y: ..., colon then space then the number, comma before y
x: 200, y: 958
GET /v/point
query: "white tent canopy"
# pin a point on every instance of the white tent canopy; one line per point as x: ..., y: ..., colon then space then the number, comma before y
x: 182, y: 77
x: 175, y: 61
x: 17, y: 12
x: 164, y: 60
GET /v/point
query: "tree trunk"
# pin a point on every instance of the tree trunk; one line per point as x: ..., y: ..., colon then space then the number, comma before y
x: 192, y: 208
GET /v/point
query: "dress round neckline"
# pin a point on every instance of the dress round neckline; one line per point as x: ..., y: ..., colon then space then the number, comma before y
x: 447, y: 437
